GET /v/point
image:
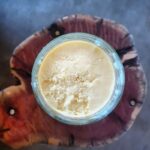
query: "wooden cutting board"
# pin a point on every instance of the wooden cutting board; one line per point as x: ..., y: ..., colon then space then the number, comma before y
x: 23, y: 122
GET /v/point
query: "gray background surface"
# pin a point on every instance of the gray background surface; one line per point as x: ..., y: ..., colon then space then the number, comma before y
x: 21, y: 18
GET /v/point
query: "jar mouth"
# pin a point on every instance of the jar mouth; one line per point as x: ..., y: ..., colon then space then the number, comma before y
x: 117, y: 91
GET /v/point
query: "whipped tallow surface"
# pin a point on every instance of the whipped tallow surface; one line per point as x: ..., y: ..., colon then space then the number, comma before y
x: 76, y: 78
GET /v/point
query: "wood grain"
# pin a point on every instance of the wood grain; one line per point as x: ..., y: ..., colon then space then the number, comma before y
x: 30, y: 124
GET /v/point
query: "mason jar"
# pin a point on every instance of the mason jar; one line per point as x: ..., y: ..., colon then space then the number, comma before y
x: 117, y: 90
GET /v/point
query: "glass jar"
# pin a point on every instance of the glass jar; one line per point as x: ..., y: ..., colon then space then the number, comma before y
x: 117, y: 91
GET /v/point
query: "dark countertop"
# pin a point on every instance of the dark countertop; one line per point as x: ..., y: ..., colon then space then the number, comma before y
x: 19, y: 19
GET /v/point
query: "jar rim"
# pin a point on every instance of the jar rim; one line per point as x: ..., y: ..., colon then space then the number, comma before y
x: 116, y: 94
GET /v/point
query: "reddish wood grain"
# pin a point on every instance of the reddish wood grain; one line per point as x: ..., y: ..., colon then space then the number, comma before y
x: 30, y: 124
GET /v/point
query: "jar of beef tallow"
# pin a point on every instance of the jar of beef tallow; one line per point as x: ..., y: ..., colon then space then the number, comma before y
x: 78, y: 79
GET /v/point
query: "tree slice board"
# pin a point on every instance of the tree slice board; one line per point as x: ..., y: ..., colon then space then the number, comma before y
x: 23, y: 122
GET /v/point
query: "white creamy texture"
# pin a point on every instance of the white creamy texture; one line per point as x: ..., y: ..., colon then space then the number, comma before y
x: 76, y: 78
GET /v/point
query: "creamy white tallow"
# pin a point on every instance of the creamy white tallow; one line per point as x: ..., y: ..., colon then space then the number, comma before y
x: 76, y: 78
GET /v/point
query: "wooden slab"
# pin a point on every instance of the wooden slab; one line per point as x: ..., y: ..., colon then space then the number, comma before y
x: 23, y: 122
